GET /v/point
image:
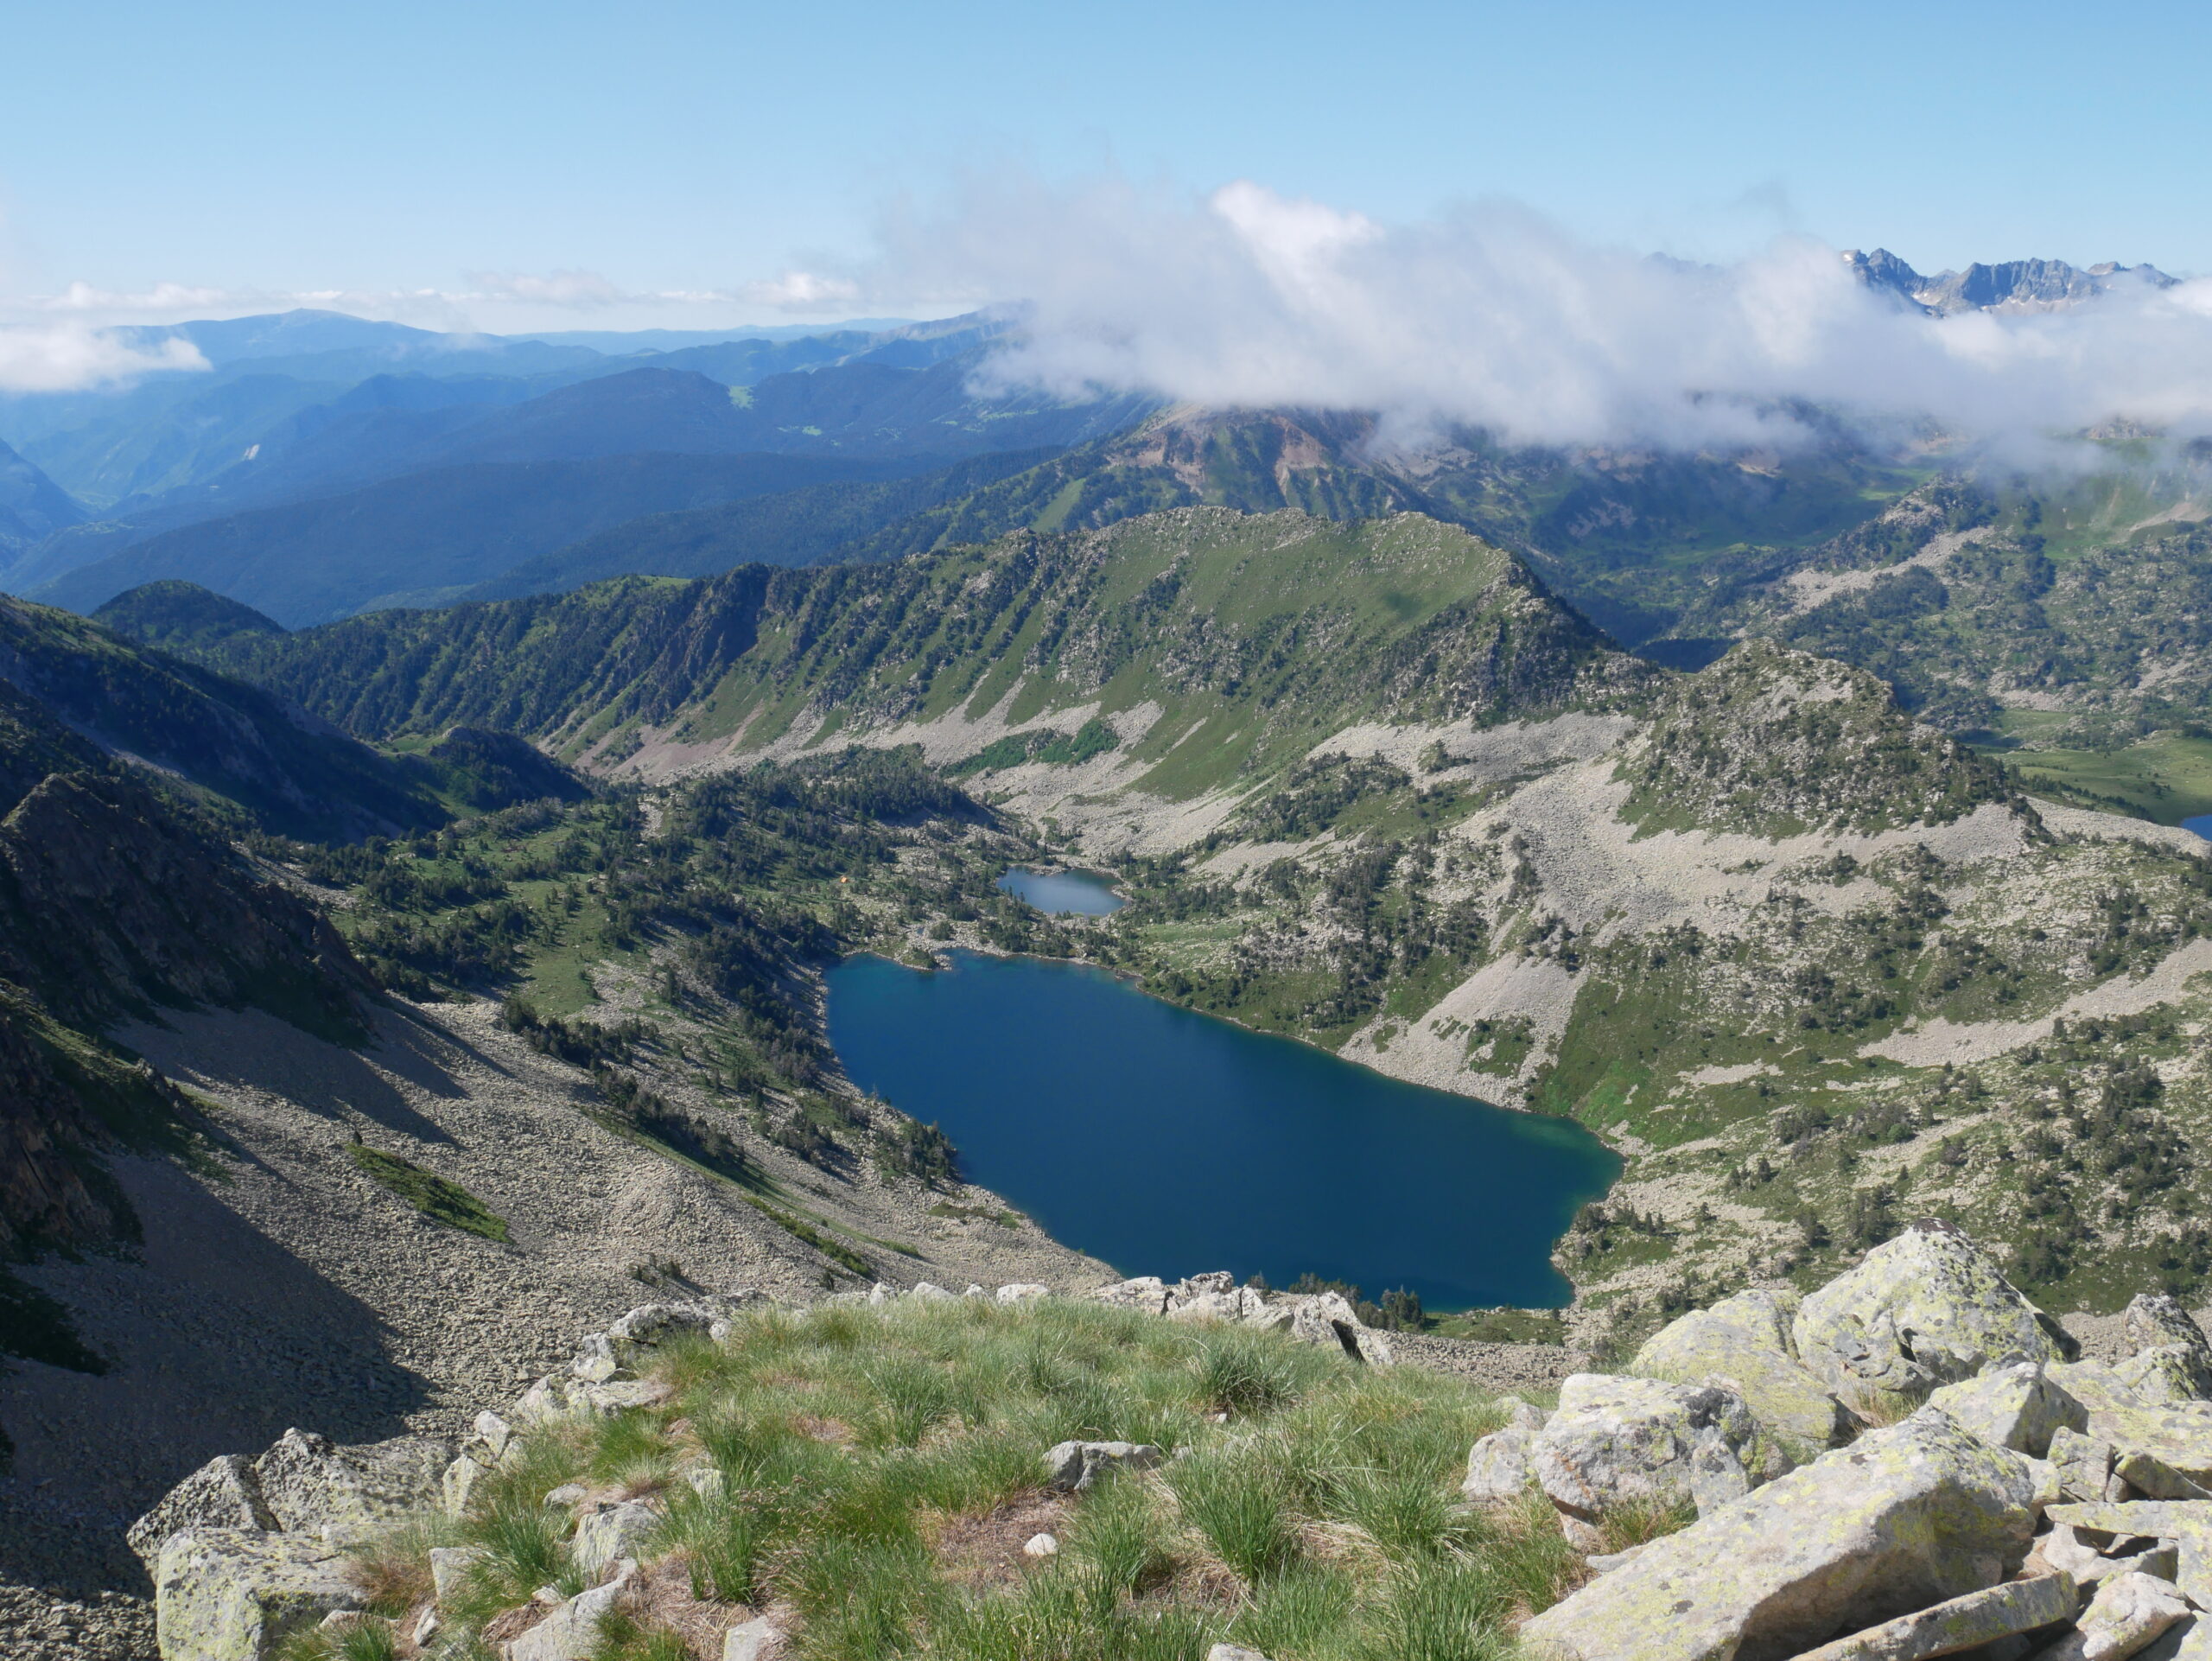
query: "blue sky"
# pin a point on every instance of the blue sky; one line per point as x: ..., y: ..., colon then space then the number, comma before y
x: 680, y: 147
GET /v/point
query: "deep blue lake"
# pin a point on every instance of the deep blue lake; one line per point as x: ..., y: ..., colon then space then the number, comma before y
x: 1168, y: 1142
x: 1064, y: 892
x: 2202, y: 825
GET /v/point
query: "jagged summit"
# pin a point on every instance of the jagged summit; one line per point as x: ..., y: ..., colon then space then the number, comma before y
x: 2012, y: 285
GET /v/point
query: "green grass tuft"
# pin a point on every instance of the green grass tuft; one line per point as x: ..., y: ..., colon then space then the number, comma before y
x: 431, y: 1194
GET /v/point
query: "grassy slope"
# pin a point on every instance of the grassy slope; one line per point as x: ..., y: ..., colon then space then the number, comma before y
x: 880, y: 1470
x: 1278, y: 627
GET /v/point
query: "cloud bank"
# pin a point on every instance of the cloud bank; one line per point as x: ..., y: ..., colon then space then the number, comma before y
x: 1492, y: 316
x: 68, y: 356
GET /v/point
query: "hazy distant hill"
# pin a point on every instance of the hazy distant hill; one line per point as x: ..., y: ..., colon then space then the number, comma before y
x: 433, y: 534
x: 32, y: 506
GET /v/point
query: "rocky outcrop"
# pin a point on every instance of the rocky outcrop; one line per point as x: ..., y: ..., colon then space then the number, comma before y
x: 304, y: 1484
x: 1929, y: 1309
x: 1503, y: 1463
x: 1323, y: 1318
x: 2025, y: 1483
x: 1908, y: 1516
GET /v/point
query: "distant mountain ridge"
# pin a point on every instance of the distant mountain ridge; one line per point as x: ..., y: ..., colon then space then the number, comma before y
x: 2012, y: 285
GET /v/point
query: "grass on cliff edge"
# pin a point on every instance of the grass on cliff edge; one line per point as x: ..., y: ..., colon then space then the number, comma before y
x: 880, y: 1470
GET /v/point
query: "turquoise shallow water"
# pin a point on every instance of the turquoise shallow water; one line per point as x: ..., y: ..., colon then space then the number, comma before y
x: 1064, y: 892
x: 1168, y: 1142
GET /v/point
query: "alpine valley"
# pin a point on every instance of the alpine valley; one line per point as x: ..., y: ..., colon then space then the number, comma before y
x: 438, y: 775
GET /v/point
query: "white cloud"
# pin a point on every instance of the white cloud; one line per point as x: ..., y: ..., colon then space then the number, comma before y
x: 803, y: 291
x: 69, y: 356
x: 1491, y: 315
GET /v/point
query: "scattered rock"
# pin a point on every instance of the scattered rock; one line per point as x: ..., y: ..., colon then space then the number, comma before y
x: 449, y: 1566
x: 758, y: 1639
x: 595, y: 1361
x: 1022, y: 1292
x: 567, y: 1494
x: 2157, y: 1324
x: 310, y: 1483
x: 2154, y: 1478
x: 1072, y: 1467
x: 1325, y: 1318
x: 234, y: 1595
x: 1909, y: 1516
x: 570, y: 1631
x: 1041, y: 1545
x: 1499, y: 1466
x: 1928, y: 1308
x: 2084, y: 1464
x: 1232, y: 1652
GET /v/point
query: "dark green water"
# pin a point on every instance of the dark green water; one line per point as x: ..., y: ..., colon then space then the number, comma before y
x: 1168, y: 1143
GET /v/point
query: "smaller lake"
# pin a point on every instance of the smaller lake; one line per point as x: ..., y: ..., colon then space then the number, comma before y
x: 2202, y: 825
x: 1168, y: 1143
x: 1063, y: 893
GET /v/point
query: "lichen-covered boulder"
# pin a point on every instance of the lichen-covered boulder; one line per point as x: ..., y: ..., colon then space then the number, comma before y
x: 1021, y: 1292
x: 1146, y: 1292
x: 234, y: 1594
x: 223, y: 1493
x: 1501, y: 1465
x: 2017, y: 1407
x: 611, y: 1533
x: 1744, y: 1342
x: 1618, y: 1441
x: 1963, y: 1623
x: 1928, y: 1308
x: 2166, y: 1376
x: 1908, y: 1516
x: 2157, y: 1321
x: 2127, y: 1613
x: 2084, y: 1465
x: 312, y: 1485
